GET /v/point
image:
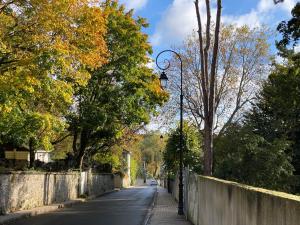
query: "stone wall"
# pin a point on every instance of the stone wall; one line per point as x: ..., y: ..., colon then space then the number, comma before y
x: 192, y: 200
x: 175, y: 188
x: 213, y: 201
x: 25, y: 190
x: 118, y: 181
x: 100, y: 183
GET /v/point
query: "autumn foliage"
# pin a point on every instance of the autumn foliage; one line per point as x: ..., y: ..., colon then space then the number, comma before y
x: 50, y: 50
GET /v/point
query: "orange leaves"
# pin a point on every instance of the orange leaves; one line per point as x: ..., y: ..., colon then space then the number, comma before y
x: 46, y: 49
x: 156, y: 89
x: 77, y: 28
x: 71, y: 29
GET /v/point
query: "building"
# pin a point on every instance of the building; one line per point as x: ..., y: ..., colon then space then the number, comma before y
x: 23, y: 155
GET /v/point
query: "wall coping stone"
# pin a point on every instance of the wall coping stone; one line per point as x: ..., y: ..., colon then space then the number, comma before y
x: 254, y: 189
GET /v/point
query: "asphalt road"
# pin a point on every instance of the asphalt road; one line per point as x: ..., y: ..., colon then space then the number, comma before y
x: 125, y: 207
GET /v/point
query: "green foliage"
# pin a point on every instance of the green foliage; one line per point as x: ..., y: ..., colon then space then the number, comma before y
x: 246, y: 157
x: 151, y: 147
x: 134, y: 168
x: 192, y: 150
x: 123, y: 93
x: 45, y: 50
x: 265, y: 149
x: 110, y: 158
x: 290, y: 31
x: 73, y: 68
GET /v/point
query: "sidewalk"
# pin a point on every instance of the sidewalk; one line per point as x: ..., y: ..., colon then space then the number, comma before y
x: 165, y: 210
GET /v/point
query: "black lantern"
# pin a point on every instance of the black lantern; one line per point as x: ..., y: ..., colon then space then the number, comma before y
x: 163, y: 80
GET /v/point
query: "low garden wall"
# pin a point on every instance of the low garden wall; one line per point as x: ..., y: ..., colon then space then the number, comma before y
x: 211, y: 201
x: 26, y: 190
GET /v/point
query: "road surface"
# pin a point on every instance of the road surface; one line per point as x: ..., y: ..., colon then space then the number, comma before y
x: 125, y: 207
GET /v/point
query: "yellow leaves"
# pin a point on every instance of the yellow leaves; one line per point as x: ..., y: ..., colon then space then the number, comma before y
x: 46, y: 127
x: 32, y: 80
x: 156, y: 88
x: 71, y: 29
x: 4, y: 109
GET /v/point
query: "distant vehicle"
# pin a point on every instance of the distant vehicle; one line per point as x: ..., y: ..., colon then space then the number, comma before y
x: 153, y: 183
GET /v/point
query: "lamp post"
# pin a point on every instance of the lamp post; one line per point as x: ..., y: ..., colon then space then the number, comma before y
x: 163, y: 80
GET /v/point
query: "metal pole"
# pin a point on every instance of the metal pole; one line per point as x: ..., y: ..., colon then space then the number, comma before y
x: 144, y: 170
x: 180, y: 186
x: 180, y: 197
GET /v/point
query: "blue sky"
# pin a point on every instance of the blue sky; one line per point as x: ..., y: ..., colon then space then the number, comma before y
x: 172, y: 20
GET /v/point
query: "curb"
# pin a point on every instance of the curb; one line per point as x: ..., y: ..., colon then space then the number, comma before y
x: 150, y: 209
x: 11, y: 217
x: 37, y: 211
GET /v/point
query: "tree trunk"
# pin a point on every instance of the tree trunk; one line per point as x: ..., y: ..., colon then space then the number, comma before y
x: 79, y: 159
x: 208, y: 80
x: 208, y: 148
x: 81, y: 151
x: 31, y: 152
x: 81, y: 162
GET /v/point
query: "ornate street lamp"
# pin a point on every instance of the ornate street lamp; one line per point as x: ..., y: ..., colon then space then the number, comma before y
x: 164, y: 79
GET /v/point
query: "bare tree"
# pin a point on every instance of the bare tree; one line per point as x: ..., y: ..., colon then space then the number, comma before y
x: 243, y: 60
x: 222, y: 72
x: 208, y: 77
x: 242, y: 64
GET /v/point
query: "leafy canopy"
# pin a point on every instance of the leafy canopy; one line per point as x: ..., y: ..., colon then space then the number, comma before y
x: 192, y: 150
x: 46, y: 48
x: 122, y: 94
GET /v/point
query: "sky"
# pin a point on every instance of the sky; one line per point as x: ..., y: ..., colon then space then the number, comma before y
x: 171, y: 21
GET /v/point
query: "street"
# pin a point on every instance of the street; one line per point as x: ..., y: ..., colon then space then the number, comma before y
x: 125, y: 207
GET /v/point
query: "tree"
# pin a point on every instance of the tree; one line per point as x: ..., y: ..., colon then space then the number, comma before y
x: 192, y: 142
x: 290, y: 31
x: 58, y: 34
x: 151, y: 146
x: 243, y: 57
x: 276, y: 113
x: 122, y: 94
x: 269, y: 135
x: 244, y: 156
x: 45, y: 50
x: 208, y: 78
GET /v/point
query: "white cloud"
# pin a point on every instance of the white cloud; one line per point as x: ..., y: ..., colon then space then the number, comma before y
x: 287, y: 5
x: 179, y: 19
x: 265, y: 6
x: 252, y: 19
x: 134, y: 4
x: 177, y: 22
x: 262, y: 14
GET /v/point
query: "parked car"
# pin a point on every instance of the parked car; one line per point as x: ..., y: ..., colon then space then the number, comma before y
x: 153, y: 183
